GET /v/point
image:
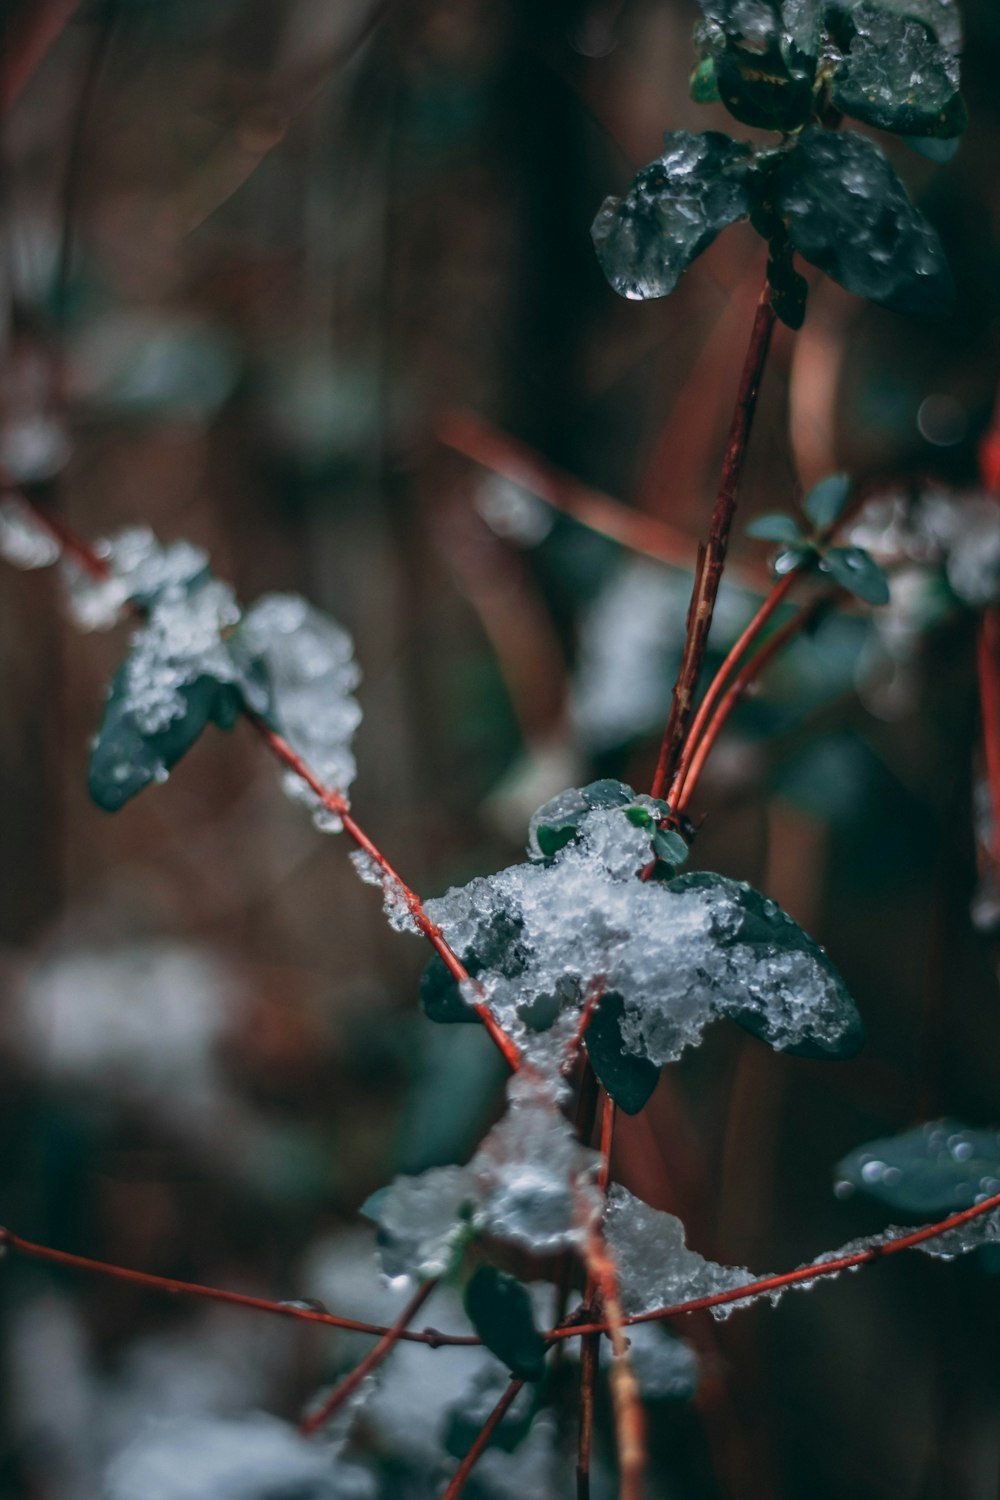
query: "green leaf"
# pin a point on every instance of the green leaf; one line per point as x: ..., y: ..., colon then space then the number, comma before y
x: 934, y: 150
x: 941, y: 16
x: 499, y: 1309
x: 629, y: 1079
x: 704, y: 85
x: 556, y: 822
x: 824, y: 504
x: 770, y: 1001
x: 775, y: 526
x: 847, y: 212
x: 936, y: 1168
x: 669, y: 846
x: 791, y: 557
x: 857, y: 572
x: 673, y: 211
x: 497, y: 949
x: 898, y: 77
x: 126, y: 758
x: 765, y: 58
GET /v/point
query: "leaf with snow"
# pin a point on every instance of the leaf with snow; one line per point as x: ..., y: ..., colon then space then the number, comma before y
x: 499, y: 1309
x: 939, y: 1167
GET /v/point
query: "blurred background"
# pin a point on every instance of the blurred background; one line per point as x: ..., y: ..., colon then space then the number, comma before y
x: 312, y: 286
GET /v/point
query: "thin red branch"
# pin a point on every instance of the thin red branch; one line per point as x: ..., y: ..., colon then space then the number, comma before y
x: 715, y: 688
x: 590, y: 1354
x: 988, y: 669
x: 801, y: 1273
x: 591, y: 1000
x: 346, y: 1387
x: 707, y: 582
x: 468, y: 434
x: 496, y: 1416
x: 435, y: 1340
x: 333, y: 801
x: 31, y: 1251
x: 748, y: 674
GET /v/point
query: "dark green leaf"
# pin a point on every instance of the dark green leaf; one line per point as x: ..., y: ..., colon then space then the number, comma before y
x: 628, y: 1079
x: 795, y: 1000
x: 704, y: 84
x: 936, y: 1168
x: 774, y: 527
x: 856, y: 571
x: 556, y: 822
x: 765, y: 58
x: 669, y: 846
x: 938, y: 151
x: 672, y: 212
x: 497, y: 949
x: 824, y: 504
x: 942, y: 16
x: 897, y: 77
x: 126, y: 758
x: 847, y: 212
x: 499, y: 1308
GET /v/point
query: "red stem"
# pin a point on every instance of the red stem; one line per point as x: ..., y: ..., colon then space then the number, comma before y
x: 707, y: 580
x: 988, y: 668
x: 490, y: 1426
x: 31, y: 1251
x: 437, y: 1340
x: 715, y: 687
x: 748, y: 673
x: 802, y: 1273
x: 340, y: 1393
x: 468, y: 434
x: 333, y: 801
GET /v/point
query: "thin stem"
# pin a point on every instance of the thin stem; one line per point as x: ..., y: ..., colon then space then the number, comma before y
x: 436, y: 1340
x: 707, y: 582
x: 468, y: 434
x: 591, y: 1000
x: 747, y: 674
x: 715, y: 688
x: 630, y: 1426
x: 97, y: 567
x: 590, y: 1354
x: 346, y: 1387
x: 988, y: 670
x: 489, y: 1427
x: 31, y: 1251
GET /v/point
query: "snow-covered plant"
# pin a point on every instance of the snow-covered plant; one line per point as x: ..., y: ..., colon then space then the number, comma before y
x: 596, y: 961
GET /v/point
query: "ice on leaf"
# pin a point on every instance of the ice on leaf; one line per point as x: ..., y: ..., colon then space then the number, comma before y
x: 309, y: 663
x: 897, y: 77
x: 655, y: 1267
x: 673, y: 211
x: 141, y: 570
x: 529, y: 1184
x: 847, y: 212
x: 680, y: 952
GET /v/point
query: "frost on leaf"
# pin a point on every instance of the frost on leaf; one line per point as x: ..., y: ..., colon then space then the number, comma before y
x: 764, y: 56
x: 679, y: 952
x: 309, y: 663
x: 655, y: 1267
x: 251, y: 1457
x: 939, y: 1167
x: 847, y: 212
x: 898, y: 77
x: 530, y: 1184
x: 179, y: 675
x: 141, y: 571
x: 673, y: 211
